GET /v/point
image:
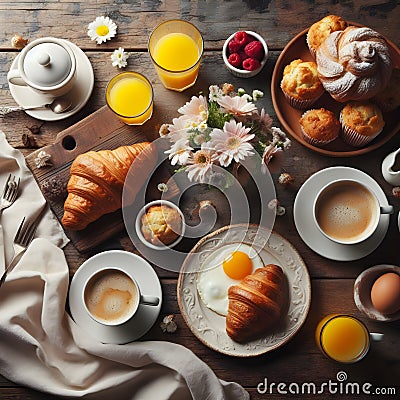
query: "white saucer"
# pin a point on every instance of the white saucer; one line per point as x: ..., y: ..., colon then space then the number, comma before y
x: 80, y: 93
x: 309, y: 232
x: 149, y: 285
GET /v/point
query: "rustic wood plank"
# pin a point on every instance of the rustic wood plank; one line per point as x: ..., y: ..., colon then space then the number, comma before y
x: 277, y: 21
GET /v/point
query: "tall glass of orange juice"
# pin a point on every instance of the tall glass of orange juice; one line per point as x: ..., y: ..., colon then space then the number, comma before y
x: 343, y: 338
x: 176, y: 48
x: 130, y: 96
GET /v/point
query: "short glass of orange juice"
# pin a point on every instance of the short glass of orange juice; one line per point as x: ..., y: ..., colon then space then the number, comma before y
x: 344, y: 338
x: 130, y: 96
x: 176, y: 48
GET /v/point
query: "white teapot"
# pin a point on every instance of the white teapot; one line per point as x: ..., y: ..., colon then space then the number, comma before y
x: 391, y: 176
x: 47, y: 66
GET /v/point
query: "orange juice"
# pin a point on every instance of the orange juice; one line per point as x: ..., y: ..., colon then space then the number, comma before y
x: 176, y: 48
x: 343, y: 338
x: 130, y: 96
x: 176, y: 52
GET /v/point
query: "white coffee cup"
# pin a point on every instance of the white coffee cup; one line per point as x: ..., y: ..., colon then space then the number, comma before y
x: 112, y: 296
x: 47, y: 66
x: 347, y: 211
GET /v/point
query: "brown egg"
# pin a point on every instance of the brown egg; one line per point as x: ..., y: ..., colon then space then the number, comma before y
x: 385, y: 293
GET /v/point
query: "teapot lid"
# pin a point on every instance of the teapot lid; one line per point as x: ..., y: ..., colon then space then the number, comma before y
x: 47, y: 64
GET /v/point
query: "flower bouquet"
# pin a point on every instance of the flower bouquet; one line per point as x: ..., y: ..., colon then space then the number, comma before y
x: 216, y: 134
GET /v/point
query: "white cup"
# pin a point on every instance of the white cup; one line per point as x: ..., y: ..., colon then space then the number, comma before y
x: 347, y: 211
x: 112, y: 296
x: 47, y: 66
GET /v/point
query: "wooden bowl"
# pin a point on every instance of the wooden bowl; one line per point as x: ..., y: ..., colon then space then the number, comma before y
x: 289, y: 116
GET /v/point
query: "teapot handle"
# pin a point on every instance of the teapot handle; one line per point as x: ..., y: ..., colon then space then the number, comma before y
x: 15, y: 78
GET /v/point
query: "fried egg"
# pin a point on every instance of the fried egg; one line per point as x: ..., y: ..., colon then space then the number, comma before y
x: 224, y: 267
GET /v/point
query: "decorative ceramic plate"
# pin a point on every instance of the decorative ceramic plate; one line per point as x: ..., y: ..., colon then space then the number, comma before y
x: 208, y: 326
x: 289, y: 116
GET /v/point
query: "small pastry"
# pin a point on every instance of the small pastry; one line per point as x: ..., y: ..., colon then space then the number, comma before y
x: 300, y: 84
x: 319, y: 127
x: 255, y: 304
x: 161, y: 224
x: 97, y: 180
x: 354, y: 64
x: 361, y: 123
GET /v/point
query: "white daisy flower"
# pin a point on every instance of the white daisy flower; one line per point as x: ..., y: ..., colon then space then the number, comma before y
x: 200, y: 167
x: 238, y: 105
x: 119, y: 58
x: 179, y: 129
x: 232, y: 142
x: 179, y: 152
x: 102, y: 29
x: 196, y: 110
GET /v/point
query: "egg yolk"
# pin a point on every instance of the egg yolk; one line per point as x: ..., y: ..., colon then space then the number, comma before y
x: 238, y: 265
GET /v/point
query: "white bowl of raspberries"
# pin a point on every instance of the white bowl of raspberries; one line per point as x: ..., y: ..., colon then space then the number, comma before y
x: 245, y: 53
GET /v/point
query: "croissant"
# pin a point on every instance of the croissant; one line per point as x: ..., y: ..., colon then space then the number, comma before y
x: 255, y: 304
x: 354, y: 64
x: 96, y: 183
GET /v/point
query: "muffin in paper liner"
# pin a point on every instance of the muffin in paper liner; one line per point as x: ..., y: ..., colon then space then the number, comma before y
x: 353, y: 138
x: 300, y: 83
x: 320, y: 142
x: 300, y: 104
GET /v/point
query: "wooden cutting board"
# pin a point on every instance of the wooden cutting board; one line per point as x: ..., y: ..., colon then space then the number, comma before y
x: 100, y: 130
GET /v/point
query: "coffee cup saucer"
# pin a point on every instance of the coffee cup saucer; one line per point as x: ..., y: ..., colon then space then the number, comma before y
x: 146, y: 315
x: 308, y: 230
x: 79, y: 94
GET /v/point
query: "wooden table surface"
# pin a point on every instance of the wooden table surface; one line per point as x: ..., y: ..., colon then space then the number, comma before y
x: 277, y: 21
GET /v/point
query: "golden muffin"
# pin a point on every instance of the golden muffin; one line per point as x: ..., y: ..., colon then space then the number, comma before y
x: 161, y: 224
x: 389, y: 98
x: 300, y: 84
x: 319, y: 126
x: 361, y: 122
x: 321, y: 29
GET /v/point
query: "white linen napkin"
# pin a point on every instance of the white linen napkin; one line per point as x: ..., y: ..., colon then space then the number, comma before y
x: 30, y: 202
x: 36, y: 334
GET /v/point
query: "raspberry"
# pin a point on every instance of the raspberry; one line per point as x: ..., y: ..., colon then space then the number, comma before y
x: 251, y: 64
x: 235, y: 60
x: 242, y: 55
x: 234, y: 46
x: 255, y: 49
x: 242, y: 38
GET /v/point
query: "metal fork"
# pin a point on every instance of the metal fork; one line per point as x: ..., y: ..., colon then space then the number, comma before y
x: 10, y: 193
x: 23, y: 237
x: 8, y: 197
